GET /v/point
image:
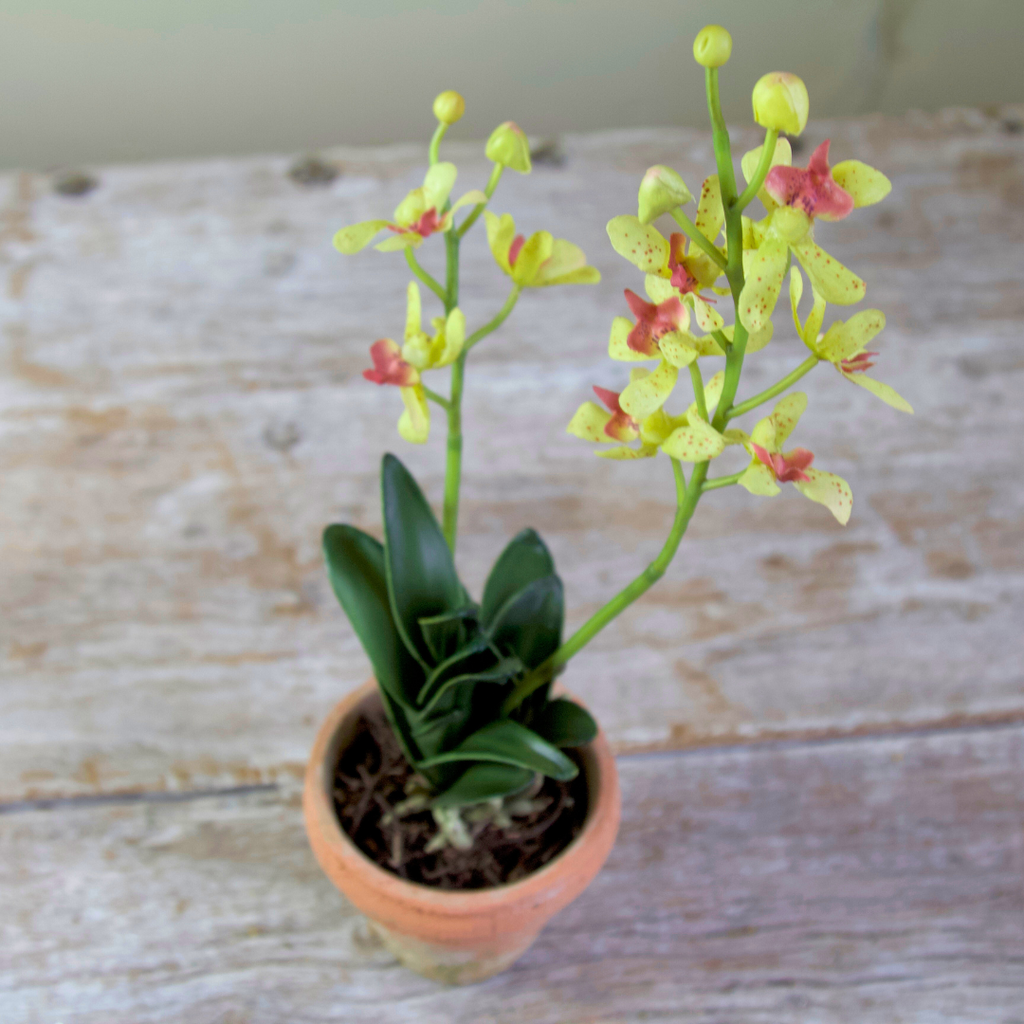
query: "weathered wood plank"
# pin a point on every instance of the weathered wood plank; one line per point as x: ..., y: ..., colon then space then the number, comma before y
x: 869, y: 880
x: 181, y: 412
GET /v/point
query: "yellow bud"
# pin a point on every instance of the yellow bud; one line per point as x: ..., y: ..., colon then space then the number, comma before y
x: 781, y: 102
x: 508, y: 146
x: 712, y: 47
x: 791, y: 224
x: 661, y: 191
x: 449, y: 107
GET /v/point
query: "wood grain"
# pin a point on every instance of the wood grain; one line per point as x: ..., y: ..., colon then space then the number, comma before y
x: 876, y: 881
x: 181, y: 412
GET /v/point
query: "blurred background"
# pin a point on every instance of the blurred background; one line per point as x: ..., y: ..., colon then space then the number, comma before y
x: 106, y: 81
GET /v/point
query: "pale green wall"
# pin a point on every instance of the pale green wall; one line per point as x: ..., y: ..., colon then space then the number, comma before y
x: 88, y: 81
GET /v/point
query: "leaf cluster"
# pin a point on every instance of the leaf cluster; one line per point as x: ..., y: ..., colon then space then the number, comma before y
x: 445, y: 664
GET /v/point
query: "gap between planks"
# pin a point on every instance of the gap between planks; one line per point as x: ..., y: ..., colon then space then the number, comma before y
x: 971, y: 724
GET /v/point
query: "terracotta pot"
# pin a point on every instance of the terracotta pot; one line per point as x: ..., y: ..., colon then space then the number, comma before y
x: 453, y: 937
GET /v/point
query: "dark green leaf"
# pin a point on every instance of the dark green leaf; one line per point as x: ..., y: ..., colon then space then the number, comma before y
x: 502, y: 671
x: 508, y: 742
x: 524, y: 560
x: 529, y: 624
x: 446, y: 633
x: 420, y: 571
x: 478, y: 655
x: 563, y: 723
x: 484, y: 782
x: 355, y: 566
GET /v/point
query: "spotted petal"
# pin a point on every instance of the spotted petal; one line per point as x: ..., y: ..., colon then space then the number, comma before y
x: 829, y: 278
x: 710, y: 212
x: 648, y: 392
x: 618, y: 344
x: 642, y: 244
x: 764, y: 269
x: 864, y: 183
x: 357, y: 236
x: 786, y: 415
x: 880, y: 390
x: 645, y: 451
x: 829, y: 490
x: 843, y: 340
x: 659, y: 289
x: 694, y: 443
x: 757, y: 479
x: 679, y: 348
x: 589, y: 422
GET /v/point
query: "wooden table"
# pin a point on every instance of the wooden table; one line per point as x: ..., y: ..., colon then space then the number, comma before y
x: 821, y: 729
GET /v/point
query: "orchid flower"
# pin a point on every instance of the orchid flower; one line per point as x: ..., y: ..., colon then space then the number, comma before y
x: 648, y: 249
x: 770, y: 466
x: 420, y: 349
x: 689, y: 437
x: 390, y: 368
x: 844, y: 344
x: 795, y: 197
x: 539, y: 260
x: 418, y: 216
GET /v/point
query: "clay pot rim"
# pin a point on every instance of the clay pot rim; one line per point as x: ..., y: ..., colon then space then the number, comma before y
x: 602, y: 793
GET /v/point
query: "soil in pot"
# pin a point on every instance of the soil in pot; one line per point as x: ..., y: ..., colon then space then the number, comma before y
x: 371, y: 778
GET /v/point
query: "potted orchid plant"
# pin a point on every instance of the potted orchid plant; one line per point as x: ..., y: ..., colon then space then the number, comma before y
x: 457, y: 799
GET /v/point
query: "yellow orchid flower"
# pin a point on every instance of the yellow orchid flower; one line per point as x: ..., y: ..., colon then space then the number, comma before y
x: 418, y: 216
x: 795, y: 197
x: 844, y: 344
x: 537, y: 261
x: 420, y: 349
x: 769, y: 466
x: 685, y: 274
x: 390, y: 368
x: 689, y: 437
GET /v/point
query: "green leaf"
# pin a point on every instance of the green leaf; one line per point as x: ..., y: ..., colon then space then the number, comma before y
x: 355, y: 567
x: 484, y: 782
x: 477, y: 656
x: 529, y: 624
x: 508, y: 742
x: 420, y: 572
x: 563, y: 723
x: 444, y: 634
x: 525, y: 559
x: 503, y: 671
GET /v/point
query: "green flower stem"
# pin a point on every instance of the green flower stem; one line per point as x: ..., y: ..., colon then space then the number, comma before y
x: 698, y: 237
x: 423, y: 275
x: 453, y: 461
x: 734, y: 246
x: 698, y: 390
x: 763, y: 167
x: 722, y: 481
x: 722, y: 340
x: 435, y: 142
x: 776, y: 389
x: 493, y: 325
x: 435, y: 397
x: 686, y: 501
x: 492, y: 184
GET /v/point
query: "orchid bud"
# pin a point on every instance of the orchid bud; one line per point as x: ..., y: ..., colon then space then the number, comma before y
x: 661, y: 191
x: 781, y: 102
x: 712, y: 47
x: 508, y: 146
x: 449, y: 107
